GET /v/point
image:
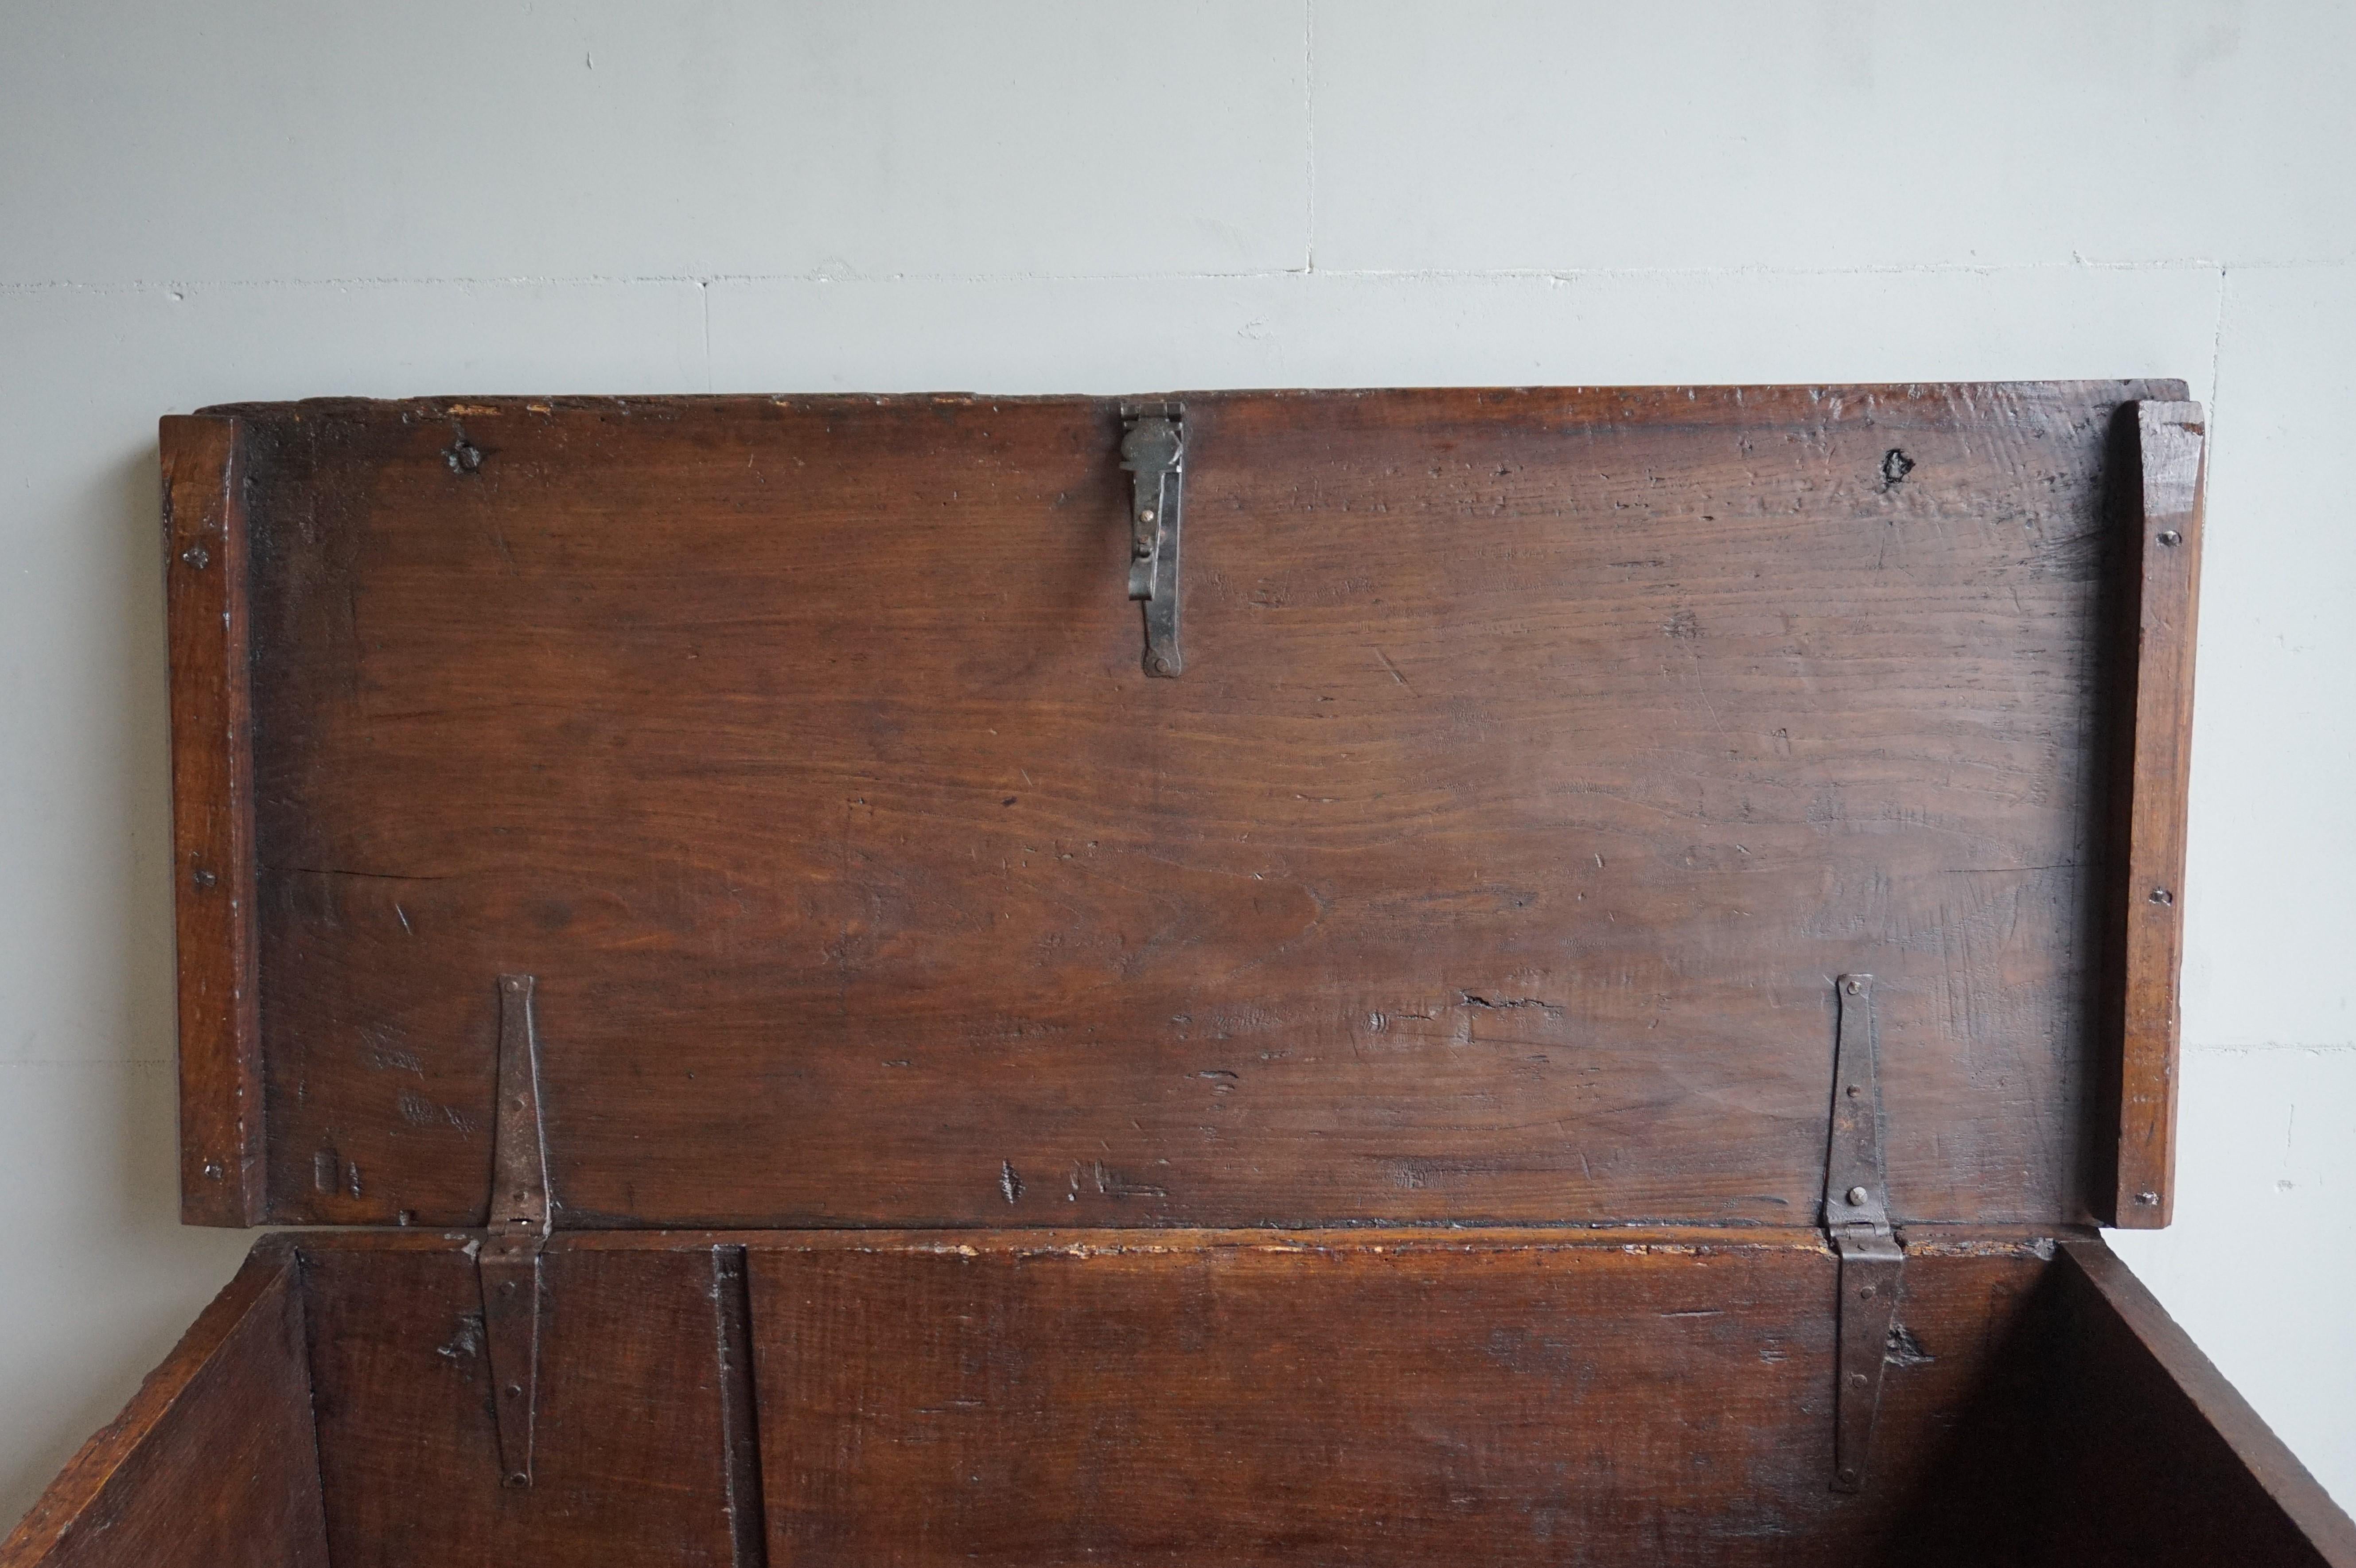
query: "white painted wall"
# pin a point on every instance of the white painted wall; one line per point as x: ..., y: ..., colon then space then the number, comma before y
x: 279, y: 199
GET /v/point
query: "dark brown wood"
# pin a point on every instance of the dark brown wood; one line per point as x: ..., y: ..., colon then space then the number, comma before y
x: 2163, y: 510
x: 1538, y: 761
x: 212, y: 1463
x: 1342, y: 1397
x: 1377, y: 1396
x: 630, y: 1454
x: 2157, y: 1461
x: 1539, y: 757
x: 221, y: 1121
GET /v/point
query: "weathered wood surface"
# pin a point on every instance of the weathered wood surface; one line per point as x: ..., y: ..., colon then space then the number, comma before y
x: 2157, y: 1462
x: 1340, y: 1398
x: 1540, y: 757
x: 632, y: 1458
x: 2161, y: 505
x: 212, y: 1465
x: 1371, y: 1396
x: 221, y: 1121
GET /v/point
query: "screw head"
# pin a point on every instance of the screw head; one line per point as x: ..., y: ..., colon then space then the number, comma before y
x: 2162, y: 896
x: 2170, y: 537
x: 1145, y: 515
x: 1856, y: 1197
x: 1854, y: 987
x: 518, y: 1478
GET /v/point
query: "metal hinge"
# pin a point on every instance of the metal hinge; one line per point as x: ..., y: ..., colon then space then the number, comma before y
x: 506, y: 1268
x: 1856, y: 1220
x: 1153, y: 449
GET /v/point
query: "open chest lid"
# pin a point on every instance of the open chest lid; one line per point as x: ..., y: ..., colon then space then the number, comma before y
x: 1473, y: 817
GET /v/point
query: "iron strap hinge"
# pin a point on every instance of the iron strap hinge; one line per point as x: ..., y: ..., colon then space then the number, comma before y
x: 506, y: 1268
x: 1153, y: 451
x: 1857, y: 1220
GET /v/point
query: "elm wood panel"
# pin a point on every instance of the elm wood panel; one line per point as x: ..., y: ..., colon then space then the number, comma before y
x: 2162, y: 496
x: 983, y: 1401
x: 1540, y: 757
x: 1960, y: 1405
x: 212, y: 1464
x: 631, y: 1457
x: 1919, y: 1240
x: 2156, y: 1460
x: 221, y: 1122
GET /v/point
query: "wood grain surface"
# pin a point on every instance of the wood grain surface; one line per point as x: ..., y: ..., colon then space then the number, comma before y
x: 212, y: 1465
x: 221, y: 1121
x: 1365, y: 1396
x: 631, y: 1457
x: 2157, y: 1462
x: 1343, y: 1399
x: 1538, y: 760
x: 1540, y: 757
x: 2165, y: 442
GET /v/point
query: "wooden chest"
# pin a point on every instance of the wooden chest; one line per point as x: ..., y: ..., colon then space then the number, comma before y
x: 1530, y: 977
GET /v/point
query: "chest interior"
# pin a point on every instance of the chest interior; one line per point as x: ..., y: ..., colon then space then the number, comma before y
x: 1540, y: 975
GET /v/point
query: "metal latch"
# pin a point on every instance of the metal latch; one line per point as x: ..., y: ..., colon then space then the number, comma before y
x: 1856, y: 1220
x: 1153, y: 449
x: 506, y: 1269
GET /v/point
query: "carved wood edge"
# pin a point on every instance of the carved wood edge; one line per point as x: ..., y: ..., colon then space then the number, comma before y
x: 261, y: 1285
x: 2162, y: 500
x: 223, y: 1178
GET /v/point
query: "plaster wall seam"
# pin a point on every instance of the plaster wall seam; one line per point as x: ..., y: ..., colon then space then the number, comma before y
x: 1437, y: 275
